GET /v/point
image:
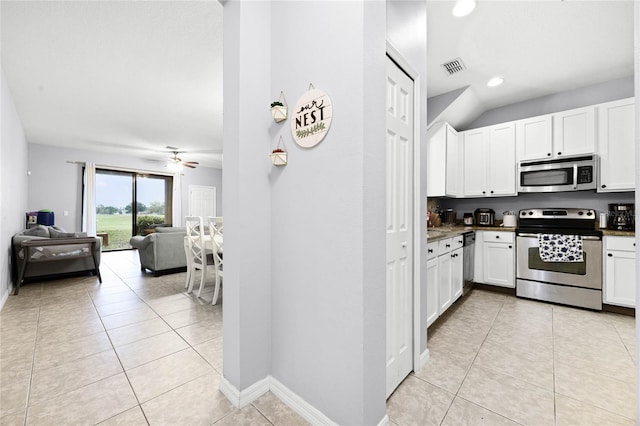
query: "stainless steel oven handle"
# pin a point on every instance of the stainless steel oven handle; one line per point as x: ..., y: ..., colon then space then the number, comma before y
x: 575, y: 176
x: 584, y: 237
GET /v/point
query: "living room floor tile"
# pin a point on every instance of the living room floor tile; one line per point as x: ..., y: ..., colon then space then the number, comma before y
x: 73, y: 375
x: 177, y: 369
x: 198, y: 402
x: 130, y: 317
x: 146, y: 350
x: 90, y: 404
x: 134, y: 332
x: 50, y: 355
x: 131, y: 417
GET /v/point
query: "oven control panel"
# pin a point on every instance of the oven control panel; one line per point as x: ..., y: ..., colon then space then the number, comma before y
x: 569, y: 213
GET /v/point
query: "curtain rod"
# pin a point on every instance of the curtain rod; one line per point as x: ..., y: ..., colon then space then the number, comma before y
x: 125, y: 169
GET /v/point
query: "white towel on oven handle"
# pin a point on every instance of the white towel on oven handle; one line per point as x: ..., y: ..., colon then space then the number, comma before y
x: 560, y: 248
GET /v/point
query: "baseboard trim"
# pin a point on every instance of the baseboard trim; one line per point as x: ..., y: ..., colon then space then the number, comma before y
x: 299, y: 405
x: 307, y: 411
x: 384, y: 421
x: 240, y: 399
x: 424, y: 357
x: 5, y: 297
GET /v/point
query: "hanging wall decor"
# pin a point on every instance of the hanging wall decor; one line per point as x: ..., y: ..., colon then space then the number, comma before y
x: 279, y: 156
x: 279, y: 109
x: 312, y: 118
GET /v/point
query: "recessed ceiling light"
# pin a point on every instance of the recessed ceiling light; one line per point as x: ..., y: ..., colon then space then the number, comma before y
x: 495, y: 81
x: 463, y: 7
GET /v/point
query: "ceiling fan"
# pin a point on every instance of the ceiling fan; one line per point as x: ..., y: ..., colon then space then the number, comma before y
x: 175, y: 161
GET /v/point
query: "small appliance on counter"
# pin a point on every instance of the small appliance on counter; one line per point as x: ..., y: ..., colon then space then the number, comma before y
x: 450, y: 217
x: 622, y: 217
x: 509, y: 219
x: 485, y: 217
x: 468, y: 218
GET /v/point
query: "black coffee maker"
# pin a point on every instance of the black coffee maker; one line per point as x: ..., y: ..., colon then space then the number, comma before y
x: 622, y: 217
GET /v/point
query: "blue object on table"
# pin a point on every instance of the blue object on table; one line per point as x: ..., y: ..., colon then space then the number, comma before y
x: 45, y: 217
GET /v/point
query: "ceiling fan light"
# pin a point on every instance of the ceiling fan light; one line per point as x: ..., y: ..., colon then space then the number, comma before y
x: 495, y: 81
x: 463, y: 7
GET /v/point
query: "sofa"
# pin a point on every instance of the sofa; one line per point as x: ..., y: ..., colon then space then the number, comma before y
x: 162, y: 251
x: 46, y: 251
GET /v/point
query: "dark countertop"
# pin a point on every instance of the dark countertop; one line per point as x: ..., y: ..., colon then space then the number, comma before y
x: 443, y: 232
x: 616, y: 233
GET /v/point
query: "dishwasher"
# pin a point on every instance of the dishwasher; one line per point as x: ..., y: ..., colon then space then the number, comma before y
x: 468, y: 261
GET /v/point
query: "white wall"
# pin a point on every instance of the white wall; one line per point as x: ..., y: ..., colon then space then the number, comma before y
x: 584, y: 96
x: 13, y: 183
x: 57, y: 185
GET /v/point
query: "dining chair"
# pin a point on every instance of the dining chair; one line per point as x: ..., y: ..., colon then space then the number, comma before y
x: 197, y: 257
x: 215, y: 232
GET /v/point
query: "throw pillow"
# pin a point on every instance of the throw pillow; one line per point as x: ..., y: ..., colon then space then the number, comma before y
x: 37, y: 231
x: 162, y: 229
x: 54, y: 233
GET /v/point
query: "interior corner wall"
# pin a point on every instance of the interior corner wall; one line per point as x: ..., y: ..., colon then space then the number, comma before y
x: 13, y: 183
x: 407, y: 33
x: 247, y: 173
x: 57, y: 185
x: 328, y: 211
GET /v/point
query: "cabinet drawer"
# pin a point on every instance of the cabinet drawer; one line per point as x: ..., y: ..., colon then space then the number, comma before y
x: 620, y: 243
x: 432, y: 250
x: 445, y: 246
x: 498, y: 237
x: 458, y: 241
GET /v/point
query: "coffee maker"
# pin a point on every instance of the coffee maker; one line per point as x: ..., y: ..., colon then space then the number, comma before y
x: 622, y: 217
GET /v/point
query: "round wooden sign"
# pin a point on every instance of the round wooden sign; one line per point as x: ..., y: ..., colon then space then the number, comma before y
x: 311, y: 118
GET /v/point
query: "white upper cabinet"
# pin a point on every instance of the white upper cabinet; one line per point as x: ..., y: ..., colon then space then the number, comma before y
x: 473, y: 149
x: 534, y: 138
x: 453, y: 186
x: 616, y: 145
x: 574, y: 132
x: 501, y: 178
x: 489, y: 161
x: 443, y: 161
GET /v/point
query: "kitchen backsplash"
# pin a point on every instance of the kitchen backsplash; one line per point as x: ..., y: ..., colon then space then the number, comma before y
x: 583, y: 199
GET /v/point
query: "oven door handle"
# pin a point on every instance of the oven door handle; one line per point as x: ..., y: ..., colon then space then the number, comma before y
x: 584, y: 237
x: 575, y: 176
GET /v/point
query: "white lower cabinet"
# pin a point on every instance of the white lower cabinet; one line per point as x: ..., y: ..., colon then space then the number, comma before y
x: 495, y: 257
x: 619, y: 277
x: 433, y: 302
x: 444, y: 276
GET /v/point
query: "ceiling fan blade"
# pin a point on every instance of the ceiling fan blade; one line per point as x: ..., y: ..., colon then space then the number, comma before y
x: 190, y: 162
x: 188, y: 165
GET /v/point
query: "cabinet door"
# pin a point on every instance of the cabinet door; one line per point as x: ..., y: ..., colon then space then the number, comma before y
x: 478, y: 257
x: 620, y: 278
x: 436, y: 159
x: 454, y: 164
x: 445, y: 295
x: 501, y: 164
x: 474, y: 163
x: 574, y: 132
x: 433, y: 303
x: 498, y: 262
x: 616, y: 145
x: 534, y: 138
x: 457, y: 278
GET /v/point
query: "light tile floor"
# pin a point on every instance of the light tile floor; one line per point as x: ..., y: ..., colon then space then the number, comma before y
x: 136, y: 350
x: 499, y: 360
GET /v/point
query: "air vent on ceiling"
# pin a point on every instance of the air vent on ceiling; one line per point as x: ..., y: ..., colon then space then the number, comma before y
x: 453, y: 66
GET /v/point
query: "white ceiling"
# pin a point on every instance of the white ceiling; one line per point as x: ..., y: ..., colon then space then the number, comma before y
x: 538, y: 47
x: 126, y: 77
x: 132, y: 77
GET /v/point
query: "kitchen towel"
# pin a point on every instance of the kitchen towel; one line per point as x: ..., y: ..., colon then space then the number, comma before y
x: 560, y: 248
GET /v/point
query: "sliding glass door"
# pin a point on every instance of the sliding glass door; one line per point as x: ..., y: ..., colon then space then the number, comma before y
x: 130, y: 203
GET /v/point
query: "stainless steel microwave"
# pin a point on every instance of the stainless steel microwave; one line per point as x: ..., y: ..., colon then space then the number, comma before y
x: 563, y: 174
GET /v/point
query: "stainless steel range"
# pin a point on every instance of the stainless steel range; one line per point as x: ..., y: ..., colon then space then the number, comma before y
x: 544, y: 271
